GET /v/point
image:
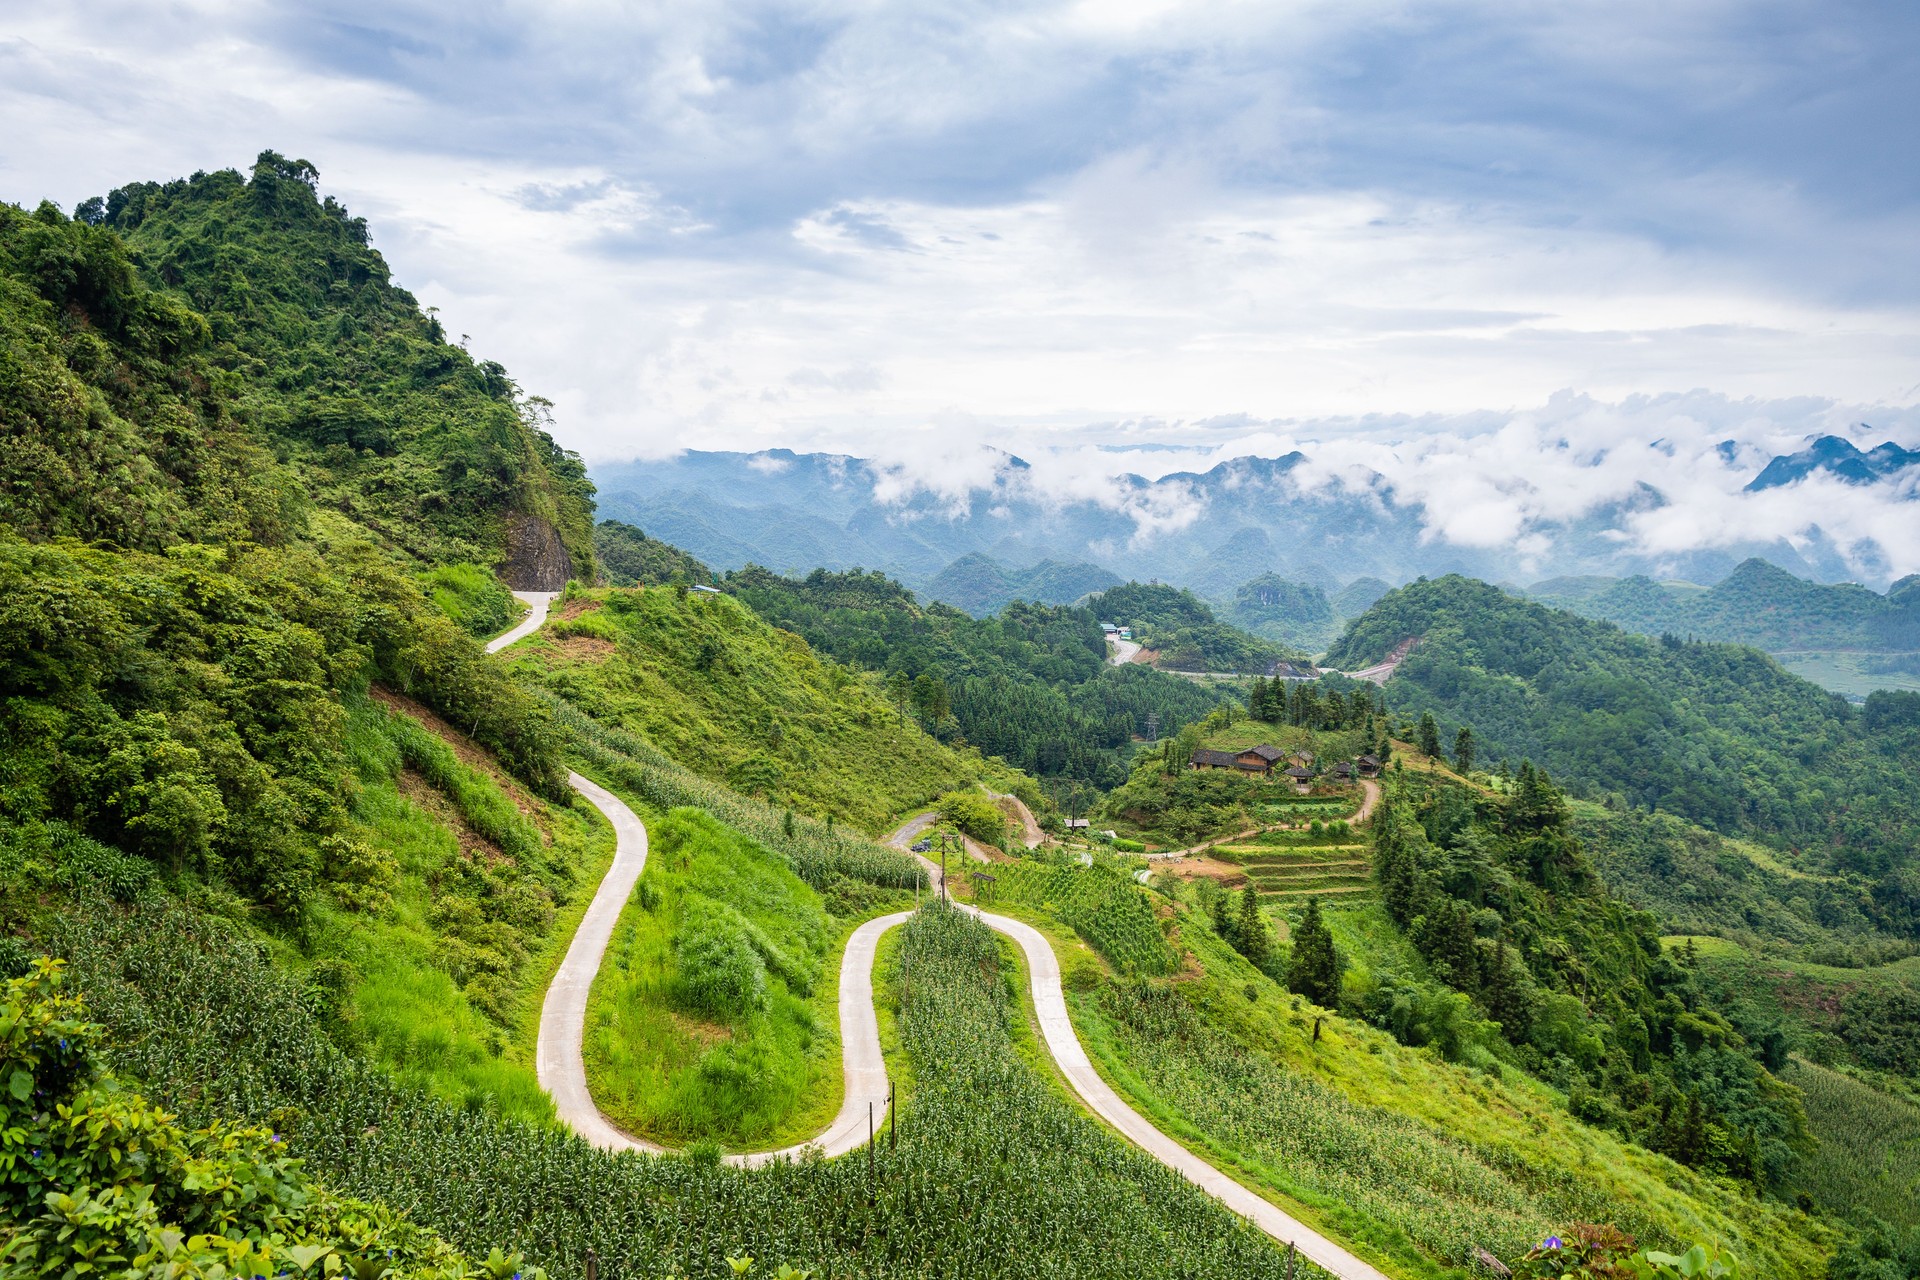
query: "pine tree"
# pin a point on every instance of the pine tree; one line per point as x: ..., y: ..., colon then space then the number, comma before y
x: 1252, y: 942
x: 1223, y: 922
x: 1429, y: 736
x: 786, y: 825
x: 1463, y: 750
x: 1505, y: 995
x: 1315, y: 969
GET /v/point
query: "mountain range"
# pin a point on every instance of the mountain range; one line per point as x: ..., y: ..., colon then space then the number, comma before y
x: 1210, y: 531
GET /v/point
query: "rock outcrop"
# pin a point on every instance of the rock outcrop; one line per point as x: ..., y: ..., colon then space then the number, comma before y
x: 536, y: 558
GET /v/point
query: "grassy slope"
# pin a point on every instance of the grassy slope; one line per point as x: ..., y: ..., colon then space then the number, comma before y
x: 1392, y: 1149
x: 447, y: 973
x: 663, y: 1068
x: 710, y: 684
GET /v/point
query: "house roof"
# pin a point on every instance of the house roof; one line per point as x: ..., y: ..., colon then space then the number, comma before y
x: 1298, y: 772
x: 1265, y: 752
x: 1219, y: 759
x: 1370, y: 760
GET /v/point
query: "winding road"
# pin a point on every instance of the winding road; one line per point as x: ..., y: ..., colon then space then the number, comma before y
x: 562, y: 1068
x: 537, y: 603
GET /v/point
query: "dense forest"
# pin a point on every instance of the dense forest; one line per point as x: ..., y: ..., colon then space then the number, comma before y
x: 1183, y: 630
x: 1031, y: 685
x: 1715, y: 733
x: 1758, y: 604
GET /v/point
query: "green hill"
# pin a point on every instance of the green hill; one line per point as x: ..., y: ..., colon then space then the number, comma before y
x: 982, y: 586
x: 1842, y: 636
x: 1719, y: 734
x: 1185, y: 632
x: 341, y: 374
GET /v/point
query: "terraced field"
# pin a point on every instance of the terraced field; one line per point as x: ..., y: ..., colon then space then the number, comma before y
x: 1288, y: 873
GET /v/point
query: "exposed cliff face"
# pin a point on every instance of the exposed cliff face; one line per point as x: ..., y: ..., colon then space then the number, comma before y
x: 536, y: 558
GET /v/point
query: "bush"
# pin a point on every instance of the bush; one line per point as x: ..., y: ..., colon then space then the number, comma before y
x: 721, y: 974
x: 975, y: 814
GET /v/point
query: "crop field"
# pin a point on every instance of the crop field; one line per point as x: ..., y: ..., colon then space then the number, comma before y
x: 1103, y: 905
x: 1869, y: 1152
x: 1295, y: 866
x: 992, y: 1175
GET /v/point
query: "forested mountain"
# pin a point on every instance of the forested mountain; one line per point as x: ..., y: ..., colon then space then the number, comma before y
x: 355, y: 390
x: 982, y: 585
x: 1183, y: 631
x: 629, y: 558
x: 1716, y: 733
x: 1031, y: 686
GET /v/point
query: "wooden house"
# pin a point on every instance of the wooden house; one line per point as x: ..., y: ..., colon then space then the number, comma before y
x: 1369, y: 766
x: 1302, y: 778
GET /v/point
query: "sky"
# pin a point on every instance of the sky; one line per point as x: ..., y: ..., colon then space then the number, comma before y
x: 915, y: 230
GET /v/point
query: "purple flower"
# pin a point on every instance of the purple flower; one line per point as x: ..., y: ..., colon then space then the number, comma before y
x: 1553, y: 1242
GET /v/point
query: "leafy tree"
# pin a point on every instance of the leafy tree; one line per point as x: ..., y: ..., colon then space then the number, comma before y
x: 1314, y: 970
x: 1463, y: 750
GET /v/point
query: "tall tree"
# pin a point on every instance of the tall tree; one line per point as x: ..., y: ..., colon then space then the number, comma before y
x: 1252, y: 942
x: 1315, y: 968
x: 1429, y: 736
x: 1463, y: 750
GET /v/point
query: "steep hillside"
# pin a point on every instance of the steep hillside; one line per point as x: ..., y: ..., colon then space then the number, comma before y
x: 359, y: 390
x: 1030, y: 686
x: 710, y: 684
x: 1716, y: 733
x: 629, y: 558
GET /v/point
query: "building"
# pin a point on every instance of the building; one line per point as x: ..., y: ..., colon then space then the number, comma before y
x: 1108, y: 629
x: 1369, y: 766
x: 1302, y: 778
x: 1260, y: 759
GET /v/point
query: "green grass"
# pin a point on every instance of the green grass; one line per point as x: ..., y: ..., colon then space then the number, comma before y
x: 710, y: 684
x: 447, y: 957
x: 473, y: 597
x: 1869, y: 1152
x: 666, y: 1064
x: 1409, y: 1158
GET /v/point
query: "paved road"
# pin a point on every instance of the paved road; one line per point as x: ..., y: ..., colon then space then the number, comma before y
x: 1124, y: 651
x: 562, y: 1070
x: 1029, y: 825
x: 563, y: 1018
x: 536, y: 602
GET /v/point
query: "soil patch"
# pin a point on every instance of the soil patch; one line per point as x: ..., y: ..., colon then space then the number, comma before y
x: 465, y: 750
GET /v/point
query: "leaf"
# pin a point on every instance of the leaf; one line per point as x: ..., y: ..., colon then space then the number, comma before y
x: 20, y: 1084
x: 305, y: 1255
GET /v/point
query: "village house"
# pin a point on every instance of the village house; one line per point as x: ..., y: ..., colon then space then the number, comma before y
x: 1260, y: 759
x: 1369, y: 766
x: 1302, y: 778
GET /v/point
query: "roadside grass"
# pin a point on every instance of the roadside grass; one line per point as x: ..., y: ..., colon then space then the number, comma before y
x: 439, y: 966
x: 1410, y: 1159
x: 742, y: 703
x: 1869, y: 1152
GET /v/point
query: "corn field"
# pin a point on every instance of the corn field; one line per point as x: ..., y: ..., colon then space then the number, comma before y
x: 993, y: 1174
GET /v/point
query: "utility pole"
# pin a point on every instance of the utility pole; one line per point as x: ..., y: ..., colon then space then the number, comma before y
x: 1153, y: 726
x: 943, y: 868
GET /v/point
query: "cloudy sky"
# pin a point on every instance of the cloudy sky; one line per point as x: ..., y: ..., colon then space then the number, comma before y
x: 910, y: 228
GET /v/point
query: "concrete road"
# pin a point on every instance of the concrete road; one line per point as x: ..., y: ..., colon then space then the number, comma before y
x: 563, y: 1018
x: 1124, y: 651
x: 537, y: 603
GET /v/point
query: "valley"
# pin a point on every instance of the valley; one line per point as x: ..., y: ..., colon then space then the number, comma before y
x: 405, y: 872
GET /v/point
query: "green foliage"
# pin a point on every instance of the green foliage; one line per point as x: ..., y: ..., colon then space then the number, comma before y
x: 188, y: 707
x: 827, y: 858
x: 1292, y: 613
x: 96, y: 1181
x: 1504, y: 906
x: 472, y: 597
x: 1102, y: 904
x: 1313, y: 970
x: 737, y: 701
x: 1183, y: 630
x: 1715, y: 733
x: 111, y: 426
x: 974, y: 813
x: 1030, y: 686
x: 224, y: 1032
x: 373, y: 409
x: 629, y: 558
x: 698, y: 1026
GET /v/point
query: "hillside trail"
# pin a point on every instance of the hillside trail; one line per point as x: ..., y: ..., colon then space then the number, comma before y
x: 561, y: 1066
x: 1030, y: 825
x: 537, y: 602
x: 1124, y: 651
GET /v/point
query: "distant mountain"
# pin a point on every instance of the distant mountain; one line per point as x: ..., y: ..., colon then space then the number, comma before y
x: 1843, y: 636
x: 1838, y: 457
x: 1210, y: 531
x: 981, y: 585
